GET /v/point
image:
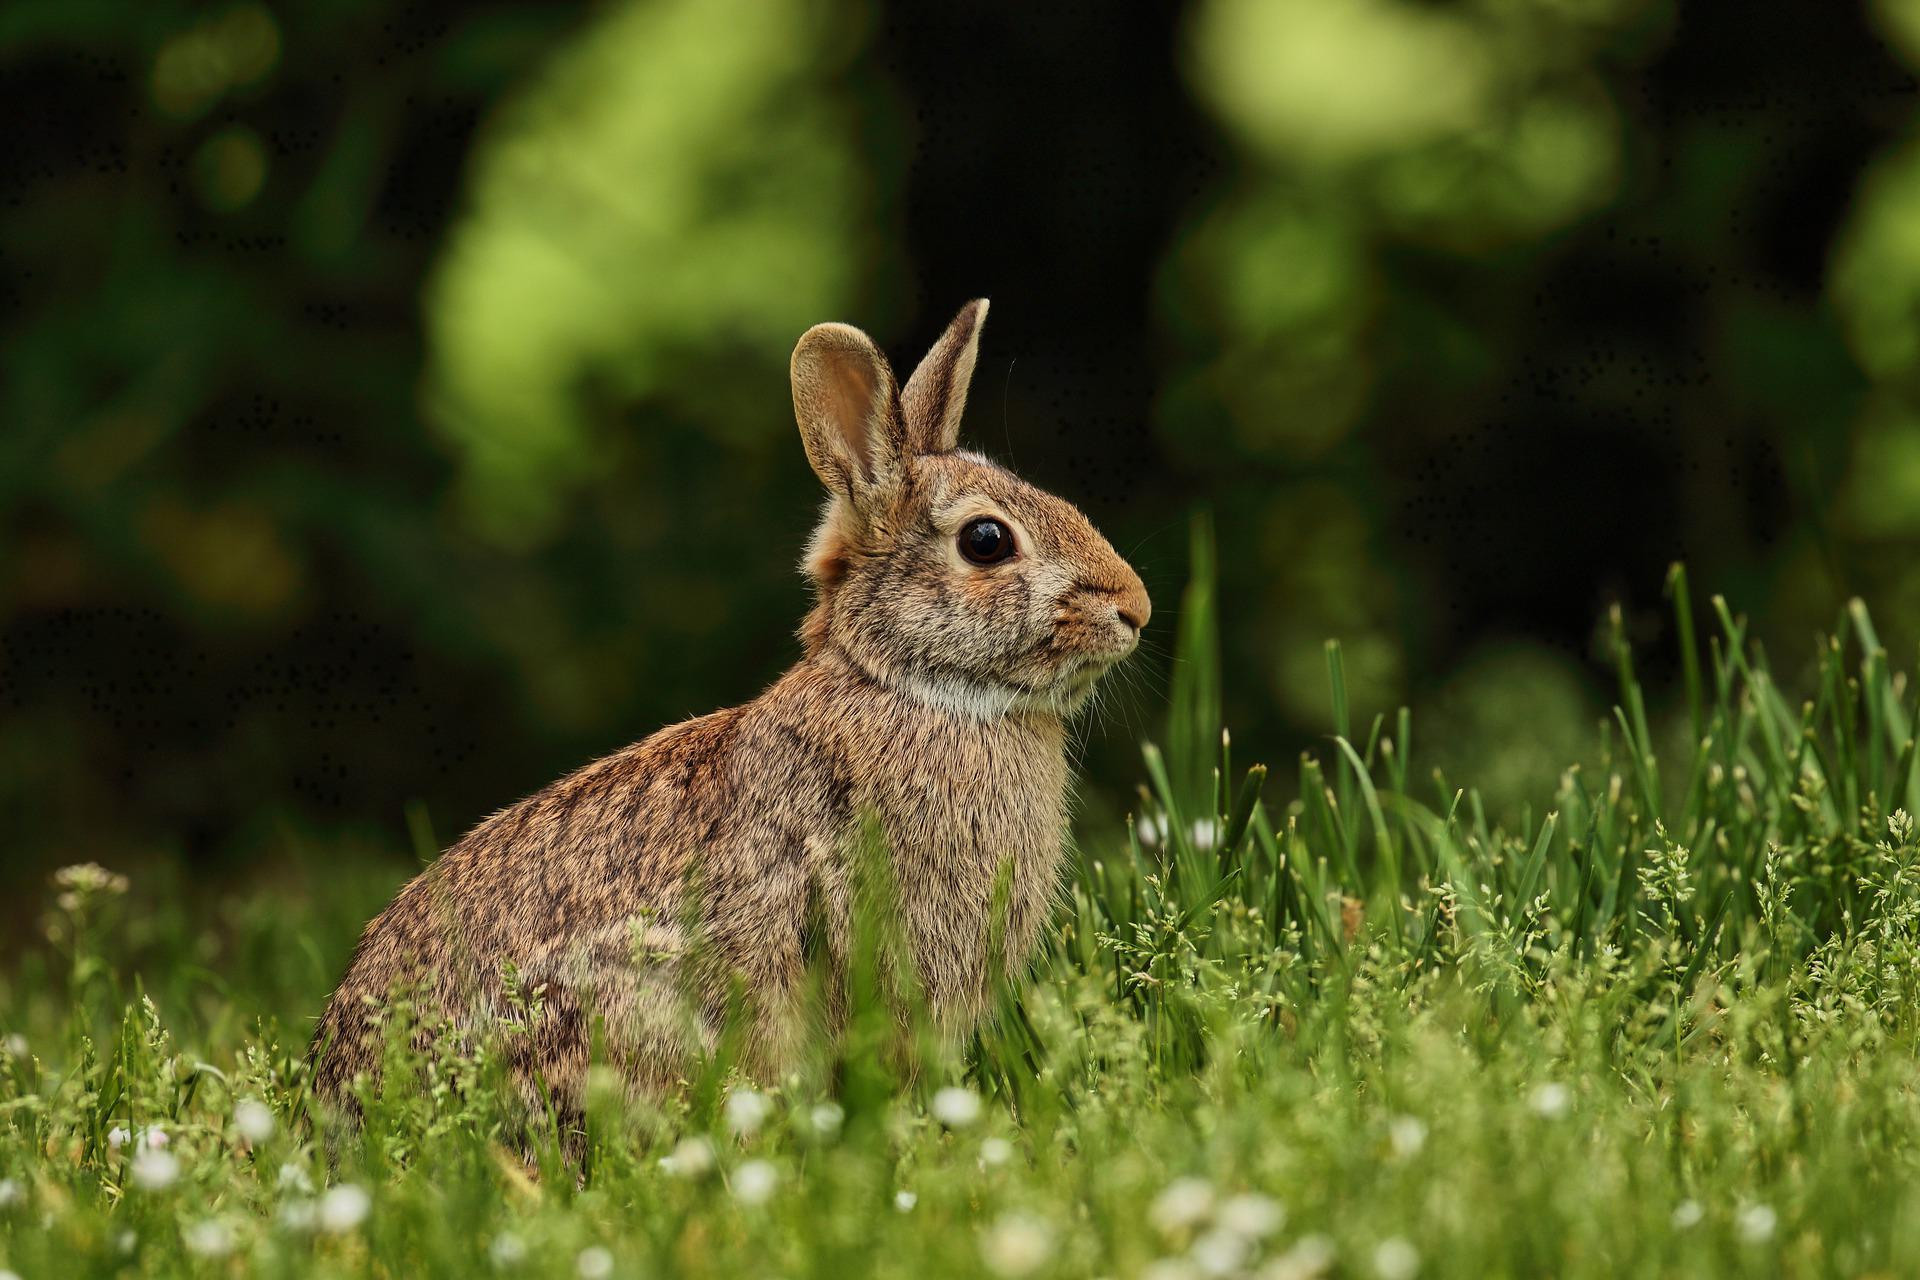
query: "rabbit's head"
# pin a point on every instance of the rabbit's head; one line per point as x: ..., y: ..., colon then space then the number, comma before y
x: 937, y: 572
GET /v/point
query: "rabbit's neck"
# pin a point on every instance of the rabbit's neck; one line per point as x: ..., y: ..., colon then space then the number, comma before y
x: 963, y: 800
x: 956, y: 695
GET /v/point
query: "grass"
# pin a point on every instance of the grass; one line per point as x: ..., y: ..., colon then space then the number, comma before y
x: 1666, y: 1027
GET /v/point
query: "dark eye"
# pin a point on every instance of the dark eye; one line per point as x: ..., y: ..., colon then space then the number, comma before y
x: 986, y: 541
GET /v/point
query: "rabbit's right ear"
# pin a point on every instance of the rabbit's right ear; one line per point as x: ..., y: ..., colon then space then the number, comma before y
x: 848, y: 407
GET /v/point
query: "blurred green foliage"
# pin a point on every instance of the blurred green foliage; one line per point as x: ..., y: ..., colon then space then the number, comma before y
x: 394, y: 405
x: 672, y: 201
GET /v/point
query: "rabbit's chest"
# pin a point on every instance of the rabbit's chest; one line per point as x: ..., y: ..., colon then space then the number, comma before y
x: 961, y: 808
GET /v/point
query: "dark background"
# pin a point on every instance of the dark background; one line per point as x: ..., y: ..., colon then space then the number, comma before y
x: 394, y: 410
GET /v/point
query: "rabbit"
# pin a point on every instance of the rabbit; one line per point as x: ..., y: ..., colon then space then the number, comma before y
x: 960, y: 618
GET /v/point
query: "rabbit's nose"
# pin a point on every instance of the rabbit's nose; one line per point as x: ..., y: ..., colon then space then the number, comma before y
x: 1133, y: 606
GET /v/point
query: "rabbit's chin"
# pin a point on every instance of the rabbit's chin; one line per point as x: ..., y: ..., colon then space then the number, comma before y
x: 1069, y: 691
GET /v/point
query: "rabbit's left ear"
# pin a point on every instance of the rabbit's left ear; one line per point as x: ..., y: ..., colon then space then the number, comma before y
x: 936, y: 394
x: 848, y: 409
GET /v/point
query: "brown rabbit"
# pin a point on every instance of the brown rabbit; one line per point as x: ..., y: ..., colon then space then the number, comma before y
x: 961, y: 617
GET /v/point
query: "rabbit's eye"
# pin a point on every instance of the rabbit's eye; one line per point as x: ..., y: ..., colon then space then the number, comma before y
x: 986, y: 541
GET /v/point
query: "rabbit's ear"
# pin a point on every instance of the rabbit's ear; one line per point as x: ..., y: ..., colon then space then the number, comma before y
x: 936, y: 394
x: 848, y: 408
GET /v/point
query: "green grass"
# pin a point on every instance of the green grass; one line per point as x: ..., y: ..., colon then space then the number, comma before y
x: 1663, y: 1025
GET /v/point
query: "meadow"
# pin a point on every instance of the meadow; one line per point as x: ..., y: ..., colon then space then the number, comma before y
x: 1342, y: 1022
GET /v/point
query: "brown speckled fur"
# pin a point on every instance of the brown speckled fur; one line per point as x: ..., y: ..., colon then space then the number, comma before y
x: 932, y: 694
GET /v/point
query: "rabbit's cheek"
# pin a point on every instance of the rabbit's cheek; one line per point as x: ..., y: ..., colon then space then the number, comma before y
x: 988, y: 594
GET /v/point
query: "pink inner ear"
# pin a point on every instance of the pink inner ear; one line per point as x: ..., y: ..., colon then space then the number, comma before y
x: 850, y: 391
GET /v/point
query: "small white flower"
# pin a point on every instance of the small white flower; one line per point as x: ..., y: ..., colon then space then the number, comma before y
x: 117, y: 1138
x: 1204, y: 833
x: 155, y: 1170
x: 343, y: 1208
x: 905, y: 1200
x: 17, y: 1047
x: 747, y: 1110
x: 1551, y: 1100
x: 754, y: 1181
x: 299, y: 1215
x: 1755, y: 1223
x: 507, y: 1250
x: 1185, y: 1203
x: 1220, y: 1252
x: 995, y: 1152
x: 1169, y: 1269
x: 208, y: 1239
x: 594, y: 1263
x: 827, y: 1118
x: 1688, y: 1213
x: 293, y: 1177
x: 1310, y: 1257
x: 156, y: 1138
x: 693, y: 1158
x: 1016, y: 1245
x: 1151, y: 829
x: 1252, y: 1216
x: 9, y: 1275
x: 253, y: 1119
x: 1395, y: 1259
x: 956, y: 1107
x: 11, y: 1192
x: 1406, y: 1134
x: 125, y: 1241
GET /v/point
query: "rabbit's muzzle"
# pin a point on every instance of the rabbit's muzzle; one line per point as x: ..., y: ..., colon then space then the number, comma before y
x: 1113, y: 612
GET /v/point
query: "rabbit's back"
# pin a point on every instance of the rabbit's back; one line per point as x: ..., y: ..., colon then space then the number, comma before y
x: 581, y: 893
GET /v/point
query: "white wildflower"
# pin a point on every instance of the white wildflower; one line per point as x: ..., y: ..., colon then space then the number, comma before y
x: 1252, y: 1216
x: 117, y: 1138
x: 156, y: 1138
x: 956, y: 1107
x: 1204, y: 833
x: 17, y: 1047
x: 253, y: 1119
x: 905, y: 1200
x: 1016, y: 1245
x: 11, y: 1192
x: 1169, y: 1269
x: 155, y: 1170
x: 1407, y: 1135
x: 594, y: 1263
x: 293, y: 1177
x: 827, y: 1118
x: 1755, y: 1223
x: 1220, y: 1252
x: 1395, y: 1259
x: 90, y: 878
x: 125, y: 1241
x: 747, y: 1110
x: 995, y: 1152
x: 754, y: 1181
x: 1310, y: 1257
x: 208, y: 1239
x: 1688, y: 1213
x: 299, y: 1215
x: 693, y: 1158
x: 507, y: 1250
x: 1151, y: 829
x: 343, y: 1208
x: 9, y: 1275
x: 1185, y: 1203
x: 1550, y: 1100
